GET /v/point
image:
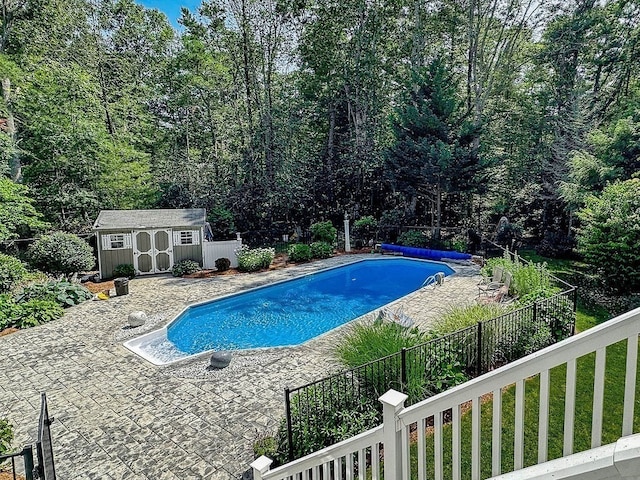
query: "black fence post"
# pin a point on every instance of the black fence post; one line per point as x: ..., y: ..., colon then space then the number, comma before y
x: 403, y: 369
x: 29, y: 468
x: 287, y: 406
x: 479, y: 351
x: 535, y: 311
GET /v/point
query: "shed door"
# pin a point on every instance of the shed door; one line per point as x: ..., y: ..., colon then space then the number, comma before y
x: 152, y: 251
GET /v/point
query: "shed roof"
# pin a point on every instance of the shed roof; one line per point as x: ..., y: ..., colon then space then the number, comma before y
x: 139, y: 219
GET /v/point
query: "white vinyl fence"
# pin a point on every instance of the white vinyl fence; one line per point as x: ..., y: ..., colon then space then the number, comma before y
x: 211, y: 251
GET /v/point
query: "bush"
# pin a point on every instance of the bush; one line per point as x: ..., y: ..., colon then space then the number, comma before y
x: 556, y: 245
x: 185, y: 267
x: 299, y: 252
x: 6, y: 435
x: 365, y: 227
x: 61, y: 253
x: 321, y: 250
x: 12, y: 272
x: 610, y: 235
x: 124, y: 270
x: 254, y: 259
x: 223, y: 264
x: 65, y: 294
x: 9, y: 311
x: 413, y: 238
x: 324, y: 423
x: 323, y: 232
x: 459, y: 317
x: 529, y: 337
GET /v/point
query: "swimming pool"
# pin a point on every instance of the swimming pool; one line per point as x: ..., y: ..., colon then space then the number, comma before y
x: 288, y: 312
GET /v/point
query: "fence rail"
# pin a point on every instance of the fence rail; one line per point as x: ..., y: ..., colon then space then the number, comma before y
x: 27, y: 462
x: 477, y: 350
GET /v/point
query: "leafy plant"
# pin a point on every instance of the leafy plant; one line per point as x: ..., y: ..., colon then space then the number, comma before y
x: 124, y: 270
x: 323, y: 232
x: 254, y: 259
x: 12, y: 272
x: 222, y: 264
x: 61, y: 253
x: 65, y: 294
x: 36, y: 312
x: 299, y: 252
x: 9, y: 311
x: 6, y: 435
x: 413, y: 238
x: 321, y: 250
x: 185, y: 267
x: 526, y: 277
x: 265, y: 445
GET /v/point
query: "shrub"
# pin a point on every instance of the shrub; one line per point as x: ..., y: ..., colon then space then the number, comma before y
x: 185, y: 267
x: 124, y: 270
x: 365, y: 227
x: 459, y: 317
x: 413, y: 238
x: 299, y: 252
x: 254, y: 259
x: 223, y: 264
x: 61, y: 253
x: 9, y: 311
x: 36, y: 312
x: 529, y: 337
x: 265, y: 445
x: 323, y: 232
x: 12, y: 272
x: 321, y: 250
x: 324, y: 423
x: 610, y: 235
x: 65, y: 294
x: 6, y: 435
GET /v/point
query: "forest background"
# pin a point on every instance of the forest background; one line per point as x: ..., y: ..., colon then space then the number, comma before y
x: 280, y: 112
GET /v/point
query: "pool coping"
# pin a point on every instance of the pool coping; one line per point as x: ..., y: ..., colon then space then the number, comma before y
x: 135, y: 344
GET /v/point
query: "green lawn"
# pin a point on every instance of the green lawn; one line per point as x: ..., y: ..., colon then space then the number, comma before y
x: 587, y: 317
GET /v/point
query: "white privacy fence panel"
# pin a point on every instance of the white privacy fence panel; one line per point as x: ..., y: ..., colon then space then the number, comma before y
x: 405, y: 428
x: 211, y: 251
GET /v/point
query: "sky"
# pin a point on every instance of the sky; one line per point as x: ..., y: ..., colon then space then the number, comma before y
x: 171, y: 8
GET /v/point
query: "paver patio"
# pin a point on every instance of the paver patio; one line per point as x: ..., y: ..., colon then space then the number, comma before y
x: 119, y: 417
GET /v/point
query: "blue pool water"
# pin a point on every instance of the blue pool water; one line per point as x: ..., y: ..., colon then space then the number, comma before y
x: 292, y: 312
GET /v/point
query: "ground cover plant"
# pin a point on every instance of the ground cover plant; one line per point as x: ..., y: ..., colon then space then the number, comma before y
x: 6, y: 435
x: 66, y: 294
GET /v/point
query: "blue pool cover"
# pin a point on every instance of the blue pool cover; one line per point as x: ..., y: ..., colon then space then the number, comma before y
x: 426, y: 253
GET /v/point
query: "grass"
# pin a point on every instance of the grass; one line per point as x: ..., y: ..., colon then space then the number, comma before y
x: 586, y: 317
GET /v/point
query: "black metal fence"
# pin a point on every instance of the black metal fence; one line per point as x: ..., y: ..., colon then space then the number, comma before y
x: 422, y: 371
x: 44, y: 470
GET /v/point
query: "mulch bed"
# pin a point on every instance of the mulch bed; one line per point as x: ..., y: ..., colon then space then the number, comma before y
x: 9, y: 476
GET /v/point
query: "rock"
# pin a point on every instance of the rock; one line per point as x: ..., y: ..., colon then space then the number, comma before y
x: 220, y: 359
x: 137, y: 319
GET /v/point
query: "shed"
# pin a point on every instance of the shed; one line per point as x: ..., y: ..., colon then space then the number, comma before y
x: 150, y: 240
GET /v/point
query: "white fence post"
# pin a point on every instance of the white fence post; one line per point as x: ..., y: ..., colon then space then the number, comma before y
x: 261, y: 465
x: 392, y: 403
x: 347, y: 238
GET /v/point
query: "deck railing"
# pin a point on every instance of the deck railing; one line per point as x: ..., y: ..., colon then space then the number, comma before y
x: 411, y: 441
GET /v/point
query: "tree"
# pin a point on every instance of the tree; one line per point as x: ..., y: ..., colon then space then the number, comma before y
x: 433, y: 151
x: 18, y: 216
x: 610, y: 234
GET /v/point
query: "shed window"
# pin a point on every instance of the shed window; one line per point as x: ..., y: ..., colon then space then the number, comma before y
x: 186, y: 237
x: 116, y: 241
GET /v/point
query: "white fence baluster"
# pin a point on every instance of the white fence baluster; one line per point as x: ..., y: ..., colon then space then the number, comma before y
x: 375, y: 462
x: 437, y: 445
x: 630, y: 384
x: 569, y: 407
x: 518, y: 441
x: 422, y: 449
x: 406, y: 458
x: 543, y: 417
x: 362, y: 464
x: 598, y: 398
x: 456, y: 443
x: 475, y: 439
x: 496, y: 441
